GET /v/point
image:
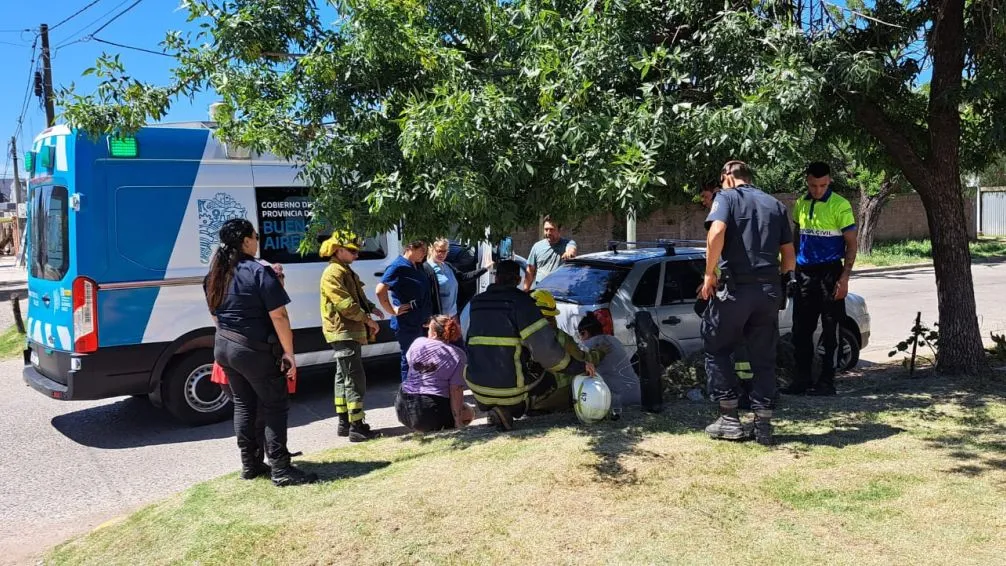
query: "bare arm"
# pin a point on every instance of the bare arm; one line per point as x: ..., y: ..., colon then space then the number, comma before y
x: 570, y: 252
x: 281, y: 322
x: 382, y: 297
x: 457, y: 402
x: 714, y: 249
x: 851, y: 249
x: 529, y: 276
x: 788, y: 258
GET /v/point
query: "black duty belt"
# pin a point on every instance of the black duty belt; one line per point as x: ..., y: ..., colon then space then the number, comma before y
x: 750, y: 278
x: 242, y: 340
x: 829, y: 267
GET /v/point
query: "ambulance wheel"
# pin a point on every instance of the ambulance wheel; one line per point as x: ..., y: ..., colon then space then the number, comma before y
x: 188, y: 393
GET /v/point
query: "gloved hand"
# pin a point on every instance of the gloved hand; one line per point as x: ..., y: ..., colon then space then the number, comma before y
x: 792, y: 286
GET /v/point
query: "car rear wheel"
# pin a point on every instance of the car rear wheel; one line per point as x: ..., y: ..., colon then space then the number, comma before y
x: 188, y: 393
x: 848, y: 349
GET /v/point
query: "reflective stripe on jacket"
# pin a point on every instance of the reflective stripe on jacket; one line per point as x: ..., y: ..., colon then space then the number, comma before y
x: 506, y: 333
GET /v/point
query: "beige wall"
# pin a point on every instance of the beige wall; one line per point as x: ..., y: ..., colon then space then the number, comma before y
x: 902, y: 218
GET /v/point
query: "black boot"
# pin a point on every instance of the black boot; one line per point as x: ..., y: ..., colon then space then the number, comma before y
x: 763, y: 428
x: 253, y: 464
x: 343, y: 429
x: 728, y: 426
x: 289, y: 475
x: 360, y: 432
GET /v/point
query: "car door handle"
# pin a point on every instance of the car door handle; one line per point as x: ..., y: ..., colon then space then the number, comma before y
x: 671, y: 320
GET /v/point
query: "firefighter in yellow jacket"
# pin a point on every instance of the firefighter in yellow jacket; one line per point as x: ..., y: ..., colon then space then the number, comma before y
x: 347, y: 325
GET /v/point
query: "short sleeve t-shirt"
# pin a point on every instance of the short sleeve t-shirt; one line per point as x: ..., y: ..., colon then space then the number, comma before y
x: 616, y: 368
x: 823, y: 224
x: 408, y: 283
x: 757, y: 225
x: 434, y: 367
x: 254, y: 292
x: 547, y: 257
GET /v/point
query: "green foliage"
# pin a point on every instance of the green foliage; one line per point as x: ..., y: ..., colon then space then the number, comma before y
x: 926, y: 342
x: 465, y: 114
x: 997, y: 352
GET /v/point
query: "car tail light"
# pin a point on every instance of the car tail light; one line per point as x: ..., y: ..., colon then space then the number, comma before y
x: 85, y: 315
x: 604, y: 317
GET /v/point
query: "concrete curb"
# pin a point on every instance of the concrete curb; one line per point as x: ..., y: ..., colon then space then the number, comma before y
x: 911, y: 266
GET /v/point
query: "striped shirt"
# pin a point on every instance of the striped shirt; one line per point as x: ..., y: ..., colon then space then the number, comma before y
x: 822, y: 225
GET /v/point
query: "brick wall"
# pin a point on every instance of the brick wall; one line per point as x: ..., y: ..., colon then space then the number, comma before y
x: 902, y: 218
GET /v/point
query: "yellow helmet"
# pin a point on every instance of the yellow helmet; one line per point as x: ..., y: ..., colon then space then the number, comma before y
x: 545, y: 302
x: 340, y: 239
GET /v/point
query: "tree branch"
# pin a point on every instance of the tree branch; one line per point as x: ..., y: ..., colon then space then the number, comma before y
x: 873, y: 120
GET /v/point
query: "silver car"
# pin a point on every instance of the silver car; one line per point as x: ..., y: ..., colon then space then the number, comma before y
x: 663, y: 282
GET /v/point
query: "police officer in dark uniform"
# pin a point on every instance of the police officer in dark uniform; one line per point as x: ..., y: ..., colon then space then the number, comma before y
x: 254, y: 347
x: 747, y: 231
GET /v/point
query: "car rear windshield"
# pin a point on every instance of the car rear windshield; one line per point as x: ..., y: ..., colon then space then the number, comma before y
x: 584, y: 284
x: 50, y: 235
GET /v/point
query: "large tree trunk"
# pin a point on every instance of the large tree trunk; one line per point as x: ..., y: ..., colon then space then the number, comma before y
x: 960, y: 346
x: 870, y: 207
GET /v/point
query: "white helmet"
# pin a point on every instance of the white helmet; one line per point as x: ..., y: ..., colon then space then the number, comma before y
x: 592, y: 398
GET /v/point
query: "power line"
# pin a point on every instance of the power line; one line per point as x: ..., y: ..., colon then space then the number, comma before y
x: 74, y: 15
x: 94, y: 21
x: 27, y: 88
x: 14, y: 44
x: 152, y: 52
x: 15, y: 30
x: 117, y: 16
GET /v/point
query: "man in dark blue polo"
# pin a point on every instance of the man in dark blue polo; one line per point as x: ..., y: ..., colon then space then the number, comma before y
x: 747, y: 231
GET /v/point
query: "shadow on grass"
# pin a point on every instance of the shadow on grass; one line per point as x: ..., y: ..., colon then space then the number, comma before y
x: 333, y: 471
x: 854, y: 417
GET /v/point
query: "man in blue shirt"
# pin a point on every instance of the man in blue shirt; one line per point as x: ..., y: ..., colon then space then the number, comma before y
x: 410, y: 301
x: 747, y: 232
x: 827, y: 246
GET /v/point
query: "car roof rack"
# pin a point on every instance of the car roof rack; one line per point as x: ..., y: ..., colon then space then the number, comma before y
x: 667, y: 244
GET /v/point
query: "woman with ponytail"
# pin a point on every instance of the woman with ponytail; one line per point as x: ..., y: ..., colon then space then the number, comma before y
x: 254, y: 347
x: 432, y: 395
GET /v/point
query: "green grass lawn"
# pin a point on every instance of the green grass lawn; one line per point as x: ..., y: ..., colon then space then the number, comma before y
x: 891, y: 471
x: 902, y: 252
x: 11, y: 343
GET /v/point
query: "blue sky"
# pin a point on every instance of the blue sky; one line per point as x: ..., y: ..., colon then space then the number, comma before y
x: 142, y: 26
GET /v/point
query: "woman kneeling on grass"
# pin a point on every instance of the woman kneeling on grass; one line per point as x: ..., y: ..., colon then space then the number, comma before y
x: 431, y: 397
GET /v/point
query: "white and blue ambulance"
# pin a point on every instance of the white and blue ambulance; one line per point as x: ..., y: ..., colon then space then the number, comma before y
x: 121, y: 232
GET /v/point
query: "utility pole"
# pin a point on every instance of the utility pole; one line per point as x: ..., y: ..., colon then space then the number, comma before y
x: 18, y: 193
x: 50, y: 111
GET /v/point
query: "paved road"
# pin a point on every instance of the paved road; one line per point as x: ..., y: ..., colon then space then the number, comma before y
x: 894, y: 299
x: 67, y: 467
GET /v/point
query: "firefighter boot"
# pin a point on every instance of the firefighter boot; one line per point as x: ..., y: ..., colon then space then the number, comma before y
x: 343, y: 429
x: 359, y: 431
x: 728, y: 425
x: 763, y: 428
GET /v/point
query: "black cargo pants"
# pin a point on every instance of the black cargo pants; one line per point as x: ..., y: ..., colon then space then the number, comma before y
x: 257, y: 385
x: 748, y: 313
x: 816, y: 302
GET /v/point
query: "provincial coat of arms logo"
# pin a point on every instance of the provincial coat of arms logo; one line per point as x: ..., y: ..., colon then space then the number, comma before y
x: 212, y: 215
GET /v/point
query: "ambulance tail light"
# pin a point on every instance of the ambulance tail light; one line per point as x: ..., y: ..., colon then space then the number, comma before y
x: 85, y: 315
x: 607, y: 324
